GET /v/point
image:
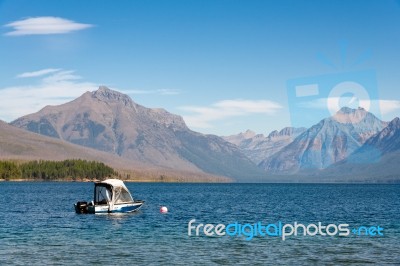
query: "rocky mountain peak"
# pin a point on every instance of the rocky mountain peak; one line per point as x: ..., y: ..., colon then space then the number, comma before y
x: 286, y: 132
x: 348, y: 115
x: 108, y: 95
x: 348, y: 110
x: 248, y: 134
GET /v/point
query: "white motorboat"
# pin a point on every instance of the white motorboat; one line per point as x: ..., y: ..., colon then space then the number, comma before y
x: 110, y: 196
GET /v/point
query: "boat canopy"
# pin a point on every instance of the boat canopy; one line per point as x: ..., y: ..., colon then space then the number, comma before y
x: 110, y: 192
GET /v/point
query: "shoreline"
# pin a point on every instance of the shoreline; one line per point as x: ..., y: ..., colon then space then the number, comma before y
x: 201, y: 182
x: 96, y: 180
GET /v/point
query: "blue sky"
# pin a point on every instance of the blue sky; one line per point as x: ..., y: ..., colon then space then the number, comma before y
x: 224, y: 66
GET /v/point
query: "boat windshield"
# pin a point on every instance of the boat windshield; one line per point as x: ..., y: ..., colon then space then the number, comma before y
x: 122, y: 195
x: 102, y: 195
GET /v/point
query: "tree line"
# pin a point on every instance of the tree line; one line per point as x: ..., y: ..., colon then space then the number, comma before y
x: 52, y: 170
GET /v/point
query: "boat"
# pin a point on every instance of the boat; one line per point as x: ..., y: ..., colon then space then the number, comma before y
x: 110, y: 196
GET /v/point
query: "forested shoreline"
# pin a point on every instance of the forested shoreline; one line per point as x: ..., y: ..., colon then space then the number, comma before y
x: 75, y: 169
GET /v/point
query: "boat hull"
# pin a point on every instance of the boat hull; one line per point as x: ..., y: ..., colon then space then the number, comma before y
x: 117, y: 208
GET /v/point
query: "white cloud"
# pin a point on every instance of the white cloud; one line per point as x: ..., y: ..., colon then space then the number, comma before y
x: 54, y: 89
x: 38, y: 73
x: 44, y: 25
x: 202, y: 117
x: 389, y: 106
x: 248, y: 106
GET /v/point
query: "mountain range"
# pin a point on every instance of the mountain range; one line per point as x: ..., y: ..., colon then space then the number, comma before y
x: 108, y: 126
x: 109, y: 121
x: 351, y: 146
x: 328, y: 142
x: 258, y: 147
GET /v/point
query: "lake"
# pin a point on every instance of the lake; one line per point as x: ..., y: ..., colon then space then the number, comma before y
x: 39, y: 225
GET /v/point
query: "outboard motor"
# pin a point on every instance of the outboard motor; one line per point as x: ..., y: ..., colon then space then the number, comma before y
x: 81, y: 207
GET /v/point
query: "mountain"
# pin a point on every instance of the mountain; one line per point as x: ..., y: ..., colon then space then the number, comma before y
x: 22, y: 145
x: 110, y: 121
x: 238, y: 139
x: 377, y: 160
x: 258, y: 147
x: 329, y: 141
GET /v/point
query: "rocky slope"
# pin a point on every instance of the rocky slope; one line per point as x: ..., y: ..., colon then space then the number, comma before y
x: 377, y: 160
x: 21, y: 145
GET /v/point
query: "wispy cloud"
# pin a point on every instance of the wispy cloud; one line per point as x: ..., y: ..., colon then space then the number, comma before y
x: 389, y: 106
x: 53, y: 88
x: 38, y: 73
x: 44, y: 25
x: 202, y: 117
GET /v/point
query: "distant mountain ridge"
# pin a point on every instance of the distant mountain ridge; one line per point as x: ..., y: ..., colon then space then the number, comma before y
x: 110, y: 121
x: 258, y: 147
x: 328, y: 142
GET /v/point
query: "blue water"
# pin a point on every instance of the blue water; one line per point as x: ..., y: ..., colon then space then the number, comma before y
x: 38, y: 224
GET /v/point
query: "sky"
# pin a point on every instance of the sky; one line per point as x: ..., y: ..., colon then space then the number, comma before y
x: 224, y: 65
